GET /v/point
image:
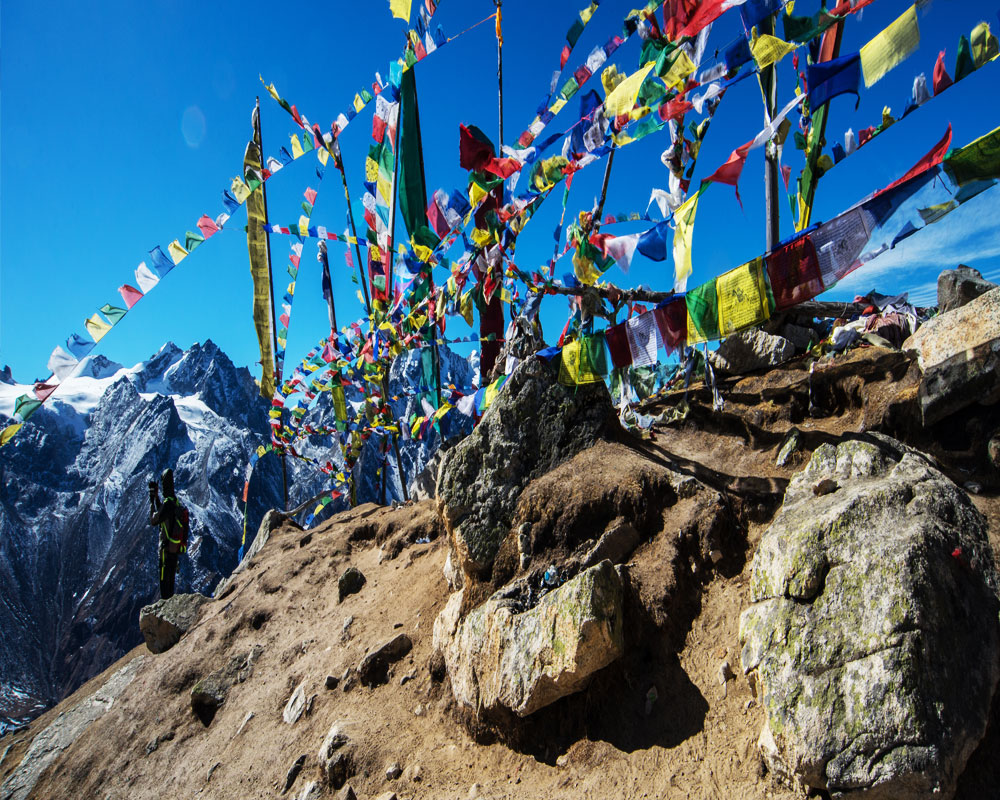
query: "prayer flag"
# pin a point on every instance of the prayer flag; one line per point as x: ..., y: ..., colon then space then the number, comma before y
x: 617, y: 339
x: 964, y: 65
x: 412, y: 183
x: 177, y: 253
x: 400, y: 9
x: 977, y: 161
x: 932, y: 159
x: 890, y: 47
x: 794, y: 273
x: 729, y: 173
x: 207, y: 226
x: 25, y: 406
x: 257, y: 248
x: 702, y: 313
x: 9, y: 432
x: 145, y: 277
x: 838, y: 244
x: 621, y: 249
x: 161, y: 263
x: 622, y: 98
x: 671, y: 319
x: 643, y: 339
x: 61, y: 364
x: 985, y: 46
x: 44, y: 390
x: 79, y: 346
x: 831, y: 78
x: 742, y: 298
x: 768, y: 50
x: 683, y: 236
x: 113, y: 313
x: 97, y: 327
x: 653, y: 243
x: 942, y: 80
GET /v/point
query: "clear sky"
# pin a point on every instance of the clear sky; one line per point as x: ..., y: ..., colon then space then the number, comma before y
x: 121, y: 123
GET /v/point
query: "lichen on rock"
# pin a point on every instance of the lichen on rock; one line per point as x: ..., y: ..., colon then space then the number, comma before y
x: 873, y: 631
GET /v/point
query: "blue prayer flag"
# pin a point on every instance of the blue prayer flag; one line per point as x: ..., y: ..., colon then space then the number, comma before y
x: 831, y: 78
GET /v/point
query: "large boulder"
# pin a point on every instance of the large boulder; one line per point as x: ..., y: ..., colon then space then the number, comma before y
x: 751, y: 350
x: 959, y: 355
x: 534, y: 424
x: 872, y: 638
x: 499, y: 656
x: 164, y: 622
x: 956, y: 287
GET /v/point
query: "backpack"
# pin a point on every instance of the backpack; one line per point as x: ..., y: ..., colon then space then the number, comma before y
x: 177, y: 539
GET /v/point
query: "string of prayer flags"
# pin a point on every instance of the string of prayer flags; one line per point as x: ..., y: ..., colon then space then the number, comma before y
x: 793, y: 272
x: 890, y: 47
x: 742, y: 298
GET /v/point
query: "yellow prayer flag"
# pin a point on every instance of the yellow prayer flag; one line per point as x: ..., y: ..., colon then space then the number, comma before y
x: 679, y: 71
x: 8, y: 433
x: 445, y: 408
x: 557, y: 106
x: 371, y: 169
x: 384, y: 187
x: 296, y: 146
x: 400, y: 9
x: 610, y: 78
x: 477, y: 193
x: 984, y: 44
x: 177, y: 252
x: 240, y: 190
x: 742, y: 298
x: 467, y: 307
x: 768, y: 50
x: 480, y: 237
x: 621, y: 100
x: 584, y: 269
x: 422, y: 252
x: 303, y: 225
x: 359, y: 104
x: 97, y: 327
x: 891, y: 47
x: 575, y: 367
x: 683, y: 236
x: 323, y: 155
x: 271, y: 90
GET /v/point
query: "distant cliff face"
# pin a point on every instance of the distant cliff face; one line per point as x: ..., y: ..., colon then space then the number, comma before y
x: 78, y: 558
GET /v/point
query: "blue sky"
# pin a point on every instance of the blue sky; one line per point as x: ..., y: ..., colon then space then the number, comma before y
x: 119, y: 127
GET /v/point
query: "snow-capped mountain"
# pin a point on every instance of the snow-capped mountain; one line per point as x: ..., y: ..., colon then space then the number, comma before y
x: 78, y: 558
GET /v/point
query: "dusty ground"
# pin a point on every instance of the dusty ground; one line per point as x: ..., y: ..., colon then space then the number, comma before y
x: 696, y: 741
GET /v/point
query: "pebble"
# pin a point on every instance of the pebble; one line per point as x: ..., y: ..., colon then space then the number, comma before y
x: 331, y: 682
x: 393, y: 771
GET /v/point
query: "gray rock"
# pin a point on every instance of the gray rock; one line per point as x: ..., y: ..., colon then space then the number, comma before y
x: 50, y: 743
x: 211, y: 691
x: 350, y: 582
x: 295, y: 706
x: 273, y: 520
x: 788, y: 447
x: 331, y: 681
x: 523, y: 661
x: 164, y: 622
x: 750, y: 350
x: 615, y: 545
x: 873, y: 634
x: 339, y: 768
x: 799, y: 335
x: 959, y: 355
x: 311, y: 791
x: 956, y: 287
x: 424, y: 486
x: 374, y: 667
x: 393, y: 771
x: 534, y: 424
x: 334, y: 740
x: 293, y: 772
x: 347, y: 793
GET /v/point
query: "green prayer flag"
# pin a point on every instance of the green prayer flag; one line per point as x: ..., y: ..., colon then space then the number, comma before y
x: 113, y: 313
x: 413, y: 184
x: 964, y: 65
x: 703, y: 312
x: 25, y: 406
x: 192, y: 239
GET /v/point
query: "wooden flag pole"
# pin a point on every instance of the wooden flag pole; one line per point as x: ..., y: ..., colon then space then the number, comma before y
x: 769, y: 87
x: 258, y: 140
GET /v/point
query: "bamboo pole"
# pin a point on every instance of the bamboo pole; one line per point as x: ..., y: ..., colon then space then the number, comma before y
x: 769, y: 87
x: 259, y: 141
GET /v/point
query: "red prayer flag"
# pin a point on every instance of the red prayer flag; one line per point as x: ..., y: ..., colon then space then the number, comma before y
x: 43, y: 390
x: 207, y: 226
x: 932, y: 159
x: 729, y: 173
x: 671, y: 319
x: 129, y: 294
x: 942, y: 80
x: 310, y: 195
x: 474, y: 149
x: 794, y: 273
x: 617, y: 339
